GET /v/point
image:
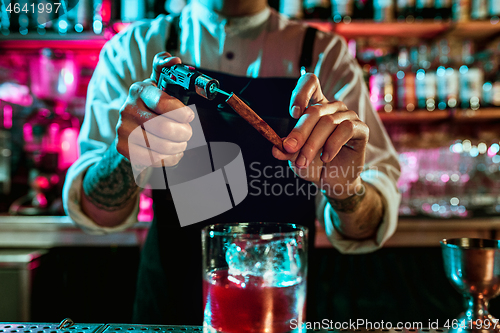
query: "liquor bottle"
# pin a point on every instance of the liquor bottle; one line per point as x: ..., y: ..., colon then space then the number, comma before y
x: 363, y: 10
x: 494, y: 9
x: 452, y: 73
x: 491, y: 87
x: 131, y: 10
x: 5, y: 18
x: 405, y: 10
x: 342, y: 9
x: 317, y: 9
x: 495, y: 91
x: 430, y: 89
x: 443, y: 9
x: 424, y: 9
x: 479, y: 9
x: 425, y: 81
x: 405, y: 82
x: 471, y: 79
x: 381, y: 87
x: 461, y: 10
x: 365, y: 57
x: 291, y: 8
x: 383, y: 11
x: 489, y: 79
x: 446, y: 77
x: 23, y: 17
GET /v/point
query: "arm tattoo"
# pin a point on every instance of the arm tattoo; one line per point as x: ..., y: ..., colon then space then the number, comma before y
x: 355, y: 223
x: 110, y: 183
x: 347, y: 205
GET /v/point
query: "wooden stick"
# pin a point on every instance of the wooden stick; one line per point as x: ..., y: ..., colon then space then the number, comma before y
x: 253, y: 119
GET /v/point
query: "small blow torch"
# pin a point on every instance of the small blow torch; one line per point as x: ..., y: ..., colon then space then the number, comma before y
x: 181, y: 80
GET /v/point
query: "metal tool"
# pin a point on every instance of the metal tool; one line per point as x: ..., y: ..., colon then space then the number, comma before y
x: 181, y: 80
x: 30, y: 327
x: 188, y: 78
x: 27, y: 327
x: 65, y: 323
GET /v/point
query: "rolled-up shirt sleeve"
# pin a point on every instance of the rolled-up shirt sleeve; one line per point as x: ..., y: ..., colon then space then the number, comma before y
x: 342, y: 79
x: 125, y: 59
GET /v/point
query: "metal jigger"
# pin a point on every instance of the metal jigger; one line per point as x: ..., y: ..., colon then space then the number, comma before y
x: 473, y: 268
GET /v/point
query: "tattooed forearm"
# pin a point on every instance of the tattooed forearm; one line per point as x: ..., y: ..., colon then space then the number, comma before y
x: 358, y: 216
x: 110, y: 184
x: 349, y: 204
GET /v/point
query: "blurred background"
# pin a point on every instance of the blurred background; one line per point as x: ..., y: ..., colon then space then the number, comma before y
x: 432, y: 69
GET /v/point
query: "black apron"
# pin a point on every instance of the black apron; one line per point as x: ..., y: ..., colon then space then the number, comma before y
x: 169, y: 289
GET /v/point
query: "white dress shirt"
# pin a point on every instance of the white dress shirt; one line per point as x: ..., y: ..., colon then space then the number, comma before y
x: 262, y: 45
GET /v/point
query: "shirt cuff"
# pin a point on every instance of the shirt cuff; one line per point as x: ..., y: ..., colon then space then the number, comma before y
x: 390, y: 199
x: 72, y: 202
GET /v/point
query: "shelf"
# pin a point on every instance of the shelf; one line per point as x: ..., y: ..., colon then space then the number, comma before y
x: 427, y: 232
x: 52, y: 231
x: 487, y: 114
x: 424, y: 29
x: 83, y: 41
x: 423, y: 116
x: 419, y: 116
x: 475, y: 29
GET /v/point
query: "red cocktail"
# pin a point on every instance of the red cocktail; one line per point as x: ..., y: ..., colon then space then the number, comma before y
x: 234, y: 307
x: 254, y: 277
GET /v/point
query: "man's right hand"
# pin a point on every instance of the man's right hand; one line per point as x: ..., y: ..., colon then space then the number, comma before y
x: 167, y: 134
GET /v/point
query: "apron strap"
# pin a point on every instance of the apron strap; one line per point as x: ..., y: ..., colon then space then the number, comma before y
x: 172, y: 44
x: 305, y: 61
x: 307, y: 50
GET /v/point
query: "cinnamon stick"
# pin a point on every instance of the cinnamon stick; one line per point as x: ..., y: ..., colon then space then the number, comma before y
x: 253, y: 119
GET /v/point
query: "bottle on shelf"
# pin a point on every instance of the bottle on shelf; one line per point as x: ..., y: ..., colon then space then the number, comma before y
x: 471, y: 79
x: 446, y: 77
x: 405, y: 82
x: 317, y: 9
x: 131, y: 10
x: 495, y: 91
x: 291, y: 8
x: 452, y: 76
x: 479, y: 9
x: 363, y: 10
x: 491, y: 66
x: 405, y: 10
x: 443, y: 9
x: 342, y: 10
x: 381, y: 86
x: 460, y: 10
x: 5, y: 18
x: 494, y: 9
x: 424, y: 9
x: 83, y: 16
x: 425, y: 81
x: 366, y: 58
x: 383, y: 10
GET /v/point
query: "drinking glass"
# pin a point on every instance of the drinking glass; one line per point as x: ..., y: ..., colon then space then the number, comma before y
x: 254, y: 277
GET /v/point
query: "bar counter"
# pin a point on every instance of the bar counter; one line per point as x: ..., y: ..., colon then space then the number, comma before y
x: 129, y: 328
x: 51, y: 231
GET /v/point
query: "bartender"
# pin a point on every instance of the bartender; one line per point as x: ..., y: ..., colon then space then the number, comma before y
x: 325, y: 116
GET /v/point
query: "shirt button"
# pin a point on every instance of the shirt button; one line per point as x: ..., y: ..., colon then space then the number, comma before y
x: 230, y: 55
